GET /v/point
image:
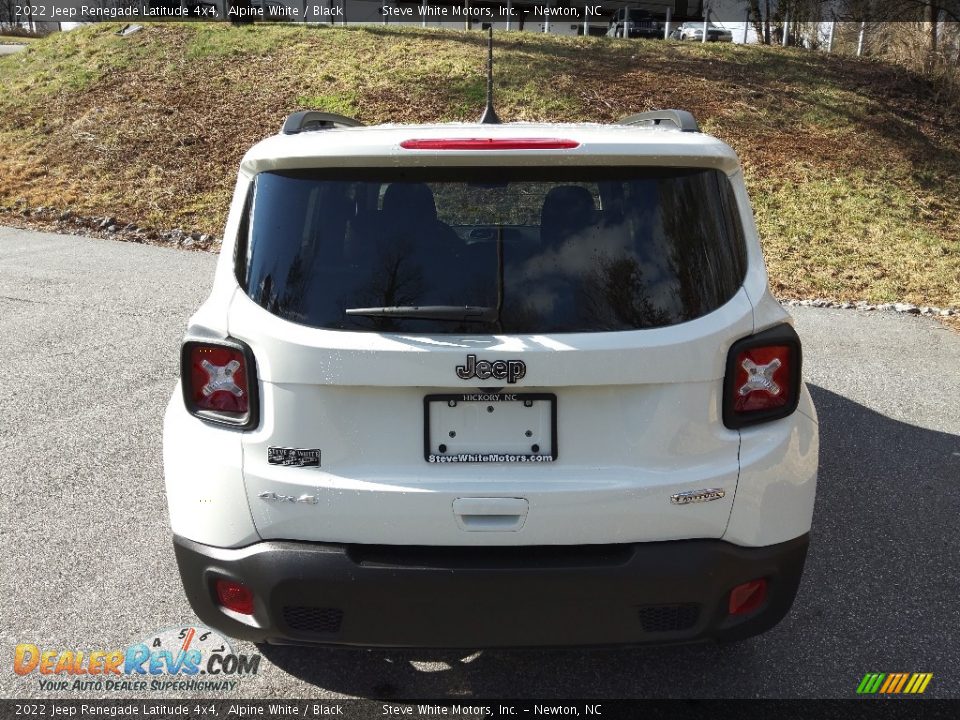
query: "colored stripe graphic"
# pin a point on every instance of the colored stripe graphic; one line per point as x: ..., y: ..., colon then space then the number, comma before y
x: 919, y: 683
x: 894, y: 683
x: 891, y: 681
x: 900, y: 683
x: 870, y: 683
x: 862, y: 688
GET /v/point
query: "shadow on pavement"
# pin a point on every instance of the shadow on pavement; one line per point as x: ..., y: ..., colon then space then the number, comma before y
x: 879, y: 594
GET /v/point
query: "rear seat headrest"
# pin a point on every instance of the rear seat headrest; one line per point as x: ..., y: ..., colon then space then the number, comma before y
x: 567, y: 209
x: 406, y: 202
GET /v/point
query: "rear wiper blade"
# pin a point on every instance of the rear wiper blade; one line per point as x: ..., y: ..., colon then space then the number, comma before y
x: 453, y: 313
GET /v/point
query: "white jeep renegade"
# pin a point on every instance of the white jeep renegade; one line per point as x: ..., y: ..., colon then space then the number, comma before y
x: 490, y: 385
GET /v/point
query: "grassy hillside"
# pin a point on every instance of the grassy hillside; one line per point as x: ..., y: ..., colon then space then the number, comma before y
x: 854, y: 166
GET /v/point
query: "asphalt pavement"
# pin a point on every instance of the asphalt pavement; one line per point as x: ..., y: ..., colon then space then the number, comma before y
x: 11, y: 49
x: 89, y: 338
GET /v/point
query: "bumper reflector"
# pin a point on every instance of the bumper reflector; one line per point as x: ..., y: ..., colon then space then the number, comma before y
x: 748, y: 597
x: 234, y: 596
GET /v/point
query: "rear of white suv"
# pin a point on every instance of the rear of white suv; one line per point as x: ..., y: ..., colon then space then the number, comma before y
x: 475, y: 386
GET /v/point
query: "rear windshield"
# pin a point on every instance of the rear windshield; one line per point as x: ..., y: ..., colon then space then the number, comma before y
x: 491, y: 250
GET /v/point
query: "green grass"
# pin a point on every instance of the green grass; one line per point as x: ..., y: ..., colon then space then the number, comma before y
x: 343, y: 102
x: 246, y: 41
x: 853, y: 167
x: 865, y: 239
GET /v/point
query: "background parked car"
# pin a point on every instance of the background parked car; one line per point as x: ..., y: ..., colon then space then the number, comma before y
x: 693, y: 30
x: 641, y: 24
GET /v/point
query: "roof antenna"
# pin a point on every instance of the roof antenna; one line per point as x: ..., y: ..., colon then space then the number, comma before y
x: 489, y: 114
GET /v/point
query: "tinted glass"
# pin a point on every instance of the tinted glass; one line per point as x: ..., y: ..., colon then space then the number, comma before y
x: 540, y: 251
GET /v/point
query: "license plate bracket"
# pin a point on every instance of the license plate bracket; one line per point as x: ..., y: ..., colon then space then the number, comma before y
x: 481, y: 427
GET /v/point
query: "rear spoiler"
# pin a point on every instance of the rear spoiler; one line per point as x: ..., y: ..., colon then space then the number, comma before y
x: 684, y: 121
x: 309, y: 120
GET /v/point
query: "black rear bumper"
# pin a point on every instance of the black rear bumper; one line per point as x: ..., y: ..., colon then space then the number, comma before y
x: 386, y: 596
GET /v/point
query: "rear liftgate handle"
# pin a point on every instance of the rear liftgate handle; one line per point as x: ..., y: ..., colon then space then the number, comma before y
x: 480, y: 514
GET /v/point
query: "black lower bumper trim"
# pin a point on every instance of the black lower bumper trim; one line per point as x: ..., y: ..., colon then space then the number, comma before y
x: 378, y: 596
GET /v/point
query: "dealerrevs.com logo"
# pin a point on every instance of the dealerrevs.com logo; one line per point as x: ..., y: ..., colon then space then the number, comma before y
x: 179, y: 659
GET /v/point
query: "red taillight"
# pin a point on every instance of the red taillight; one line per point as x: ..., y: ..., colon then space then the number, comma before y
x: 217, y: 379
x: 748, y: 597
x: 762, y: 380
x: 234, y: 596
x: 489, y: 144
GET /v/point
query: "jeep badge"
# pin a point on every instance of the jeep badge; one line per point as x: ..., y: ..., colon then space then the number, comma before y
x: 509, y: 370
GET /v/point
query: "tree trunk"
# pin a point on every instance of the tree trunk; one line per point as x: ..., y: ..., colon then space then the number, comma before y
x: 756, y: 17
x: 931, y: 21
x: 766, y: 24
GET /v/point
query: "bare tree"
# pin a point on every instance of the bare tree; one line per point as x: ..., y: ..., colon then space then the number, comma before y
x: 7, y: 17
x: 909, y: 31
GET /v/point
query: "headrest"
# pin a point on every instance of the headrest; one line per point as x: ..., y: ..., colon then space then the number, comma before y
x: 567, y: 209
x: 409, y: 203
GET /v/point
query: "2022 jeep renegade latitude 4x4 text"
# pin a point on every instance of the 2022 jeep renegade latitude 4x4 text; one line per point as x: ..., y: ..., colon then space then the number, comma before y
x: 490, y: 385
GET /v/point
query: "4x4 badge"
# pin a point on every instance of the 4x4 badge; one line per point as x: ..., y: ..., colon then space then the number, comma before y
x: 509, y: 370
x: 280, y: 497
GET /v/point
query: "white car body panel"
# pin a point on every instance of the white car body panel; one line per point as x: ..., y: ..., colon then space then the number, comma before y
x: 778, y: 479
x: 203, y: 469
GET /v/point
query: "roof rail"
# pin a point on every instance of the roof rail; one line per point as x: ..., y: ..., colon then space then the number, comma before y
x: 681, y: 118
x: 307, y: 120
